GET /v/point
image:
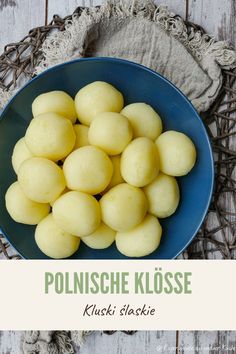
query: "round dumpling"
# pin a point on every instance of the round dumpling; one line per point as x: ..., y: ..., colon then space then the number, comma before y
x: 55, y: 101
x: 123, y: 207
x: 22, y: 209
x: 142, y: 240
x: 63, y: 192
x: 96, y: 98
x: 116, y: 177
x: 77, y: 213
x: 53, y: 241
x: 21, y: 153
x: 81, y: 132
x: 111, y: 132
x: 162, y: 195
x: 102, y: 238
x: 41, y: 180
x: 140, y: 162
x: 88, y: 170
x: 144, y: 120
x: 51, y: 136
x: 177, y: 153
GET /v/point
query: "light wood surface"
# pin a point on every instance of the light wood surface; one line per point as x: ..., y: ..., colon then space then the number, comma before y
x: 218, y: 18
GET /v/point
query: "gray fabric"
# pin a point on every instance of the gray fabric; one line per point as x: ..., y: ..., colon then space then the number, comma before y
x: 144, y: 44
x: 150, y: 35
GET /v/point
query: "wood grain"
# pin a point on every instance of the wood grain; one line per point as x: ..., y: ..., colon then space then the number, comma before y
x: 66, y: 7
x: 143, y: 342
x: 10, y: 342
x: 218, y: 17
x: 177, y: 6
x: 17, y: 17
x: 207, y: 342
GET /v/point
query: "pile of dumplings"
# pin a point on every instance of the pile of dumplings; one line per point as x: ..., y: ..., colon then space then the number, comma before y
x: 92, y: 170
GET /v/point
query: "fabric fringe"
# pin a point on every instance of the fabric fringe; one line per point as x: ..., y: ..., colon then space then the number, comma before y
x: 67, y: 45
x: 52, y: 342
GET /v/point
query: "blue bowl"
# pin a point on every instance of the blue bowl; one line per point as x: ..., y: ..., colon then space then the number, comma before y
x: 138, y: 84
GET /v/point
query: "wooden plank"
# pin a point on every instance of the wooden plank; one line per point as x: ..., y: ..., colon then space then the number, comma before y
x: 198, y: 342
x: 177, y: 6
x: 142, y: 342
x: 147, y: 342
x: 10, y: 342
x: 207, y: 342
x: 17, y: 17
x: 218, y: 17
x: 68, y: 6
x: 227, y: 341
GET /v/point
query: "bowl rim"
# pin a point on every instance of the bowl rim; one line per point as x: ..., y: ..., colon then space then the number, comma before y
x: 142, y: 67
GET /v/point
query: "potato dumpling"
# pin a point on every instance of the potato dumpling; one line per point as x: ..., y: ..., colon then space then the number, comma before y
x: 162, y: 195
x: 63, y: 192
x: 88, y: 170
x: 96, y: 98
x: 53, y: 241
x: 22, y: 209
x: 77, y: 213
x: 81, y: 132
x: 140, y: 162
x: 111, y: 132
x: 177, y: 153
x: 51, y: 136
x: 102, y: 238
x: 116, y: 177
x: 142, y: 240
x: 123, y: 207
x: 144, y: 120
x: 41, y: 179
x: 55, y: 101
x: 21, y: 153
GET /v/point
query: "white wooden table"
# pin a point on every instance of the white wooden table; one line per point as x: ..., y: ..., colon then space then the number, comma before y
x: 218, y: 17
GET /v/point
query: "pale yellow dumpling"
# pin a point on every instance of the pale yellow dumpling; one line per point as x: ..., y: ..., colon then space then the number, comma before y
x: 63, y: 192
x: 116, y: 177
x: 140, y: 162
x: 53, y: 241
x: 21, y: 153
x: 55, y: 101
x: 111, y: 132
x: 77, y: 213
x: 102, y: 238
x: 51, y: 136
x: 123, y: 207
x: 143, y: 119
x: 41, y: 179
x: 22, y: 209
x: 162, y: 195
x: 88, y: 170
x: 141, y: 240
x: 96, y: 98
x: 81, y: 132
x: 177, y: 153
